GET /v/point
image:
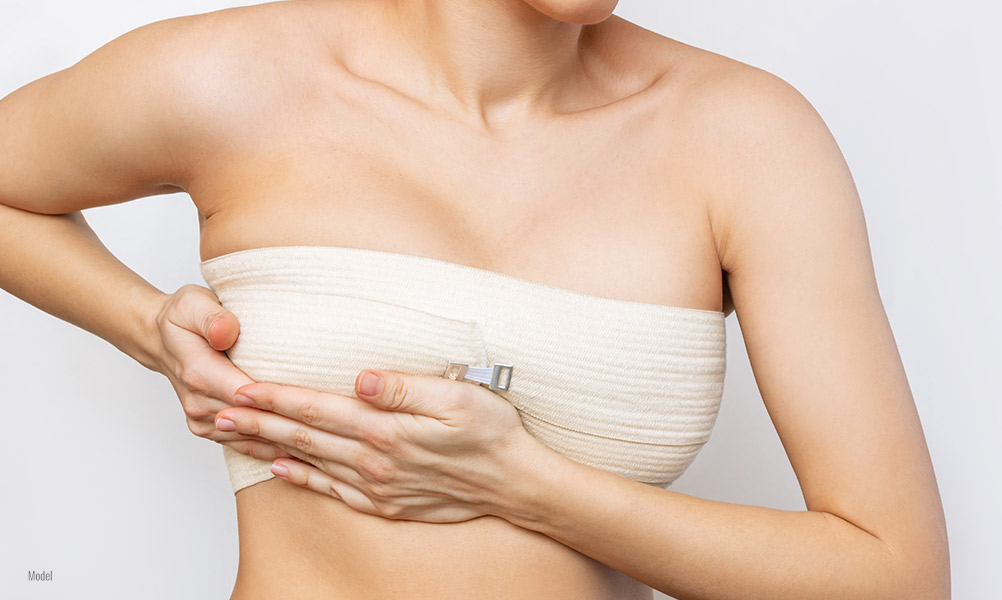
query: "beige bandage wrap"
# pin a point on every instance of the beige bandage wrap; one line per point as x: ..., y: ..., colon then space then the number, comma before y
x: 629, y: 387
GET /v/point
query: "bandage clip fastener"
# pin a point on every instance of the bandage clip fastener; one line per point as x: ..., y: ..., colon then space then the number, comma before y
x: 497, y: 377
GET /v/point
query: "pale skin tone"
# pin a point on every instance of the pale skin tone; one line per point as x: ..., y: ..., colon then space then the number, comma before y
x: 680, y: 178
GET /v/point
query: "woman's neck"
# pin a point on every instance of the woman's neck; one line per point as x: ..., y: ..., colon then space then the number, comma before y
x: 495, y: 60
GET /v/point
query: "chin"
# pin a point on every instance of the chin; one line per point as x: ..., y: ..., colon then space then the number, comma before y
x: 581, y: 12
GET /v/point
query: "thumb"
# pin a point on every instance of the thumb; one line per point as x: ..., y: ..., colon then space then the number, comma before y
x: 200, y: 311
x: 398, y: 392
x: 223, y: 331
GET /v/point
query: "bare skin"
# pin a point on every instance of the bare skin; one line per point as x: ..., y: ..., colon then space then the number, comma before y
x: 330, y: 159
x: 303, y: 123
x: 593, y: 200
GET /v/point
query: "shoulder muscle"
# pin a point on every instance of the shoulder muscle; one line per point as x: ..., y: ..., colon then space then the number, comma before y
x: 128, y: 120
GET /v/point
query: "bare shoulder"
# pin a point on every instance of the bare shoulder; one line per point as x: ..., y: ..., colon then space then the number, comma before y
x: 753, y: 138
x: 744, y: 138
x: 736, y: 104
x: 142, y: 113
x: 727, y: 109
x: 228, y: 63
x: 221, y: 76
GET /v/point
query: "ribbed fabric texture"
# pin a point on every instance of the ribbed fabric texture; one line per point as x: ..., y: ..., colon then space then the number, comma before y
x: 629, y: 387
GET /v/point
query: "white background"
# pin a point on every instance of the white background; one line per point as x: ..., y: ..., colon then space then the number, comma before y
x: 104, y: 485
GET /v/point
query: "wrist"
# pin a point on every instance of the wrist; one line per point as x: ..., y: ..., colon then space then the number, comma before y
x: 143, y: 341
x: 553, y: 495
x: 531, y: 469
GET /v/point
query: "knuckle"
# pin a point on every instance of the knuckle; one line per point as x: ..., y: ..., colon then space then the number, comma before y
x: 193, y: 378
x: 241, y: 447
x: 200, y: 428
x: 201, y: 413
x: 207, y: 318
x: 263, y: 451
x: 250, y: 427
x: 196, y: 410
x: 247, y: 448
x: 253, y: 449
x: 185, y: 298
x: 381, y: 437
x: 309, y: 413
x: 400, y: 396
x: 378, y: 492
x: 321, y: 464
x: 376, y: 469
x: 316, y: 461
x: 459, y: 396
x: 388, y: 509
x: 303, y: 440
x: 332, y: 490
x: 188, y: 404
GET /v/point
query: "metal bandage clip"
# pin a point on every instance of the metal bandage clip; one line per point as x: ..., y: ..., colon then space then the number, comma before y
x: 497, y: 377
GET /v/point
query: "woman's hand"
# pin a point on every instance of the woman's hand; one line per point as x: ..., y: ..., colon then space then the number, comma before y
x: 194, y: 329
x: 409, y: 447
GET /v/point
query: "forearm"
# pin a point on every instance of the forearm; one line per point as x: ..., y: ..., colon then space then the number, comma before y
x: 694, y: 548
x: 57, y: 264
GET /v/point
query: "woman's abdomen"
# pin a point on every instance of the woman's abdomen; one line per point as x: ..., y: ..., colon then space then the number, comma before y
x: 296, y: 543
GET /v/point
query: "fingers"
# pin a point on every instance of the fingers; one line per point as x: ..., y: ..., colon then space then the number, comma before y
x: 323, y: 476
x: 282, y: 430
x: 257, y: 449
x: 342, y: 473
x: 206, y: 428
x: 213, y: 375
x: 196, y: 329
x: 400, y: 392
x: 341, y: 415
x: 310, y: 477
x: 222, y: 436
x: 199, y: 362
x: 200, y: 408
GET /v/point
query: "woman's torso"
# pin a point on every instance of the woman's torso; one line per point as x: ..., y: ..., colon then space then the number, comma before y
x: 602, y: 199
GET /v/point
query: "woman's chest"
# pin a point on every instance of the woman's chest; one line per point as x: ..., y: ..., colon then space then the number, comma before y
x: 602, y: 205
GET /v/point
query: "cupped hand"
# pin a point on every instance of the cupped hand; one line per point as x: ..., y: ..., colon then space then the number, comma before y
x: 195, y: 330
x: 409, y: 447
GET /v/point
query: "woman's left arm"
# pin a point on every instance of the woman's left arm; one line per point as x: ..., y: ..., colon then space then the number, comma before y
x: 792, y: 237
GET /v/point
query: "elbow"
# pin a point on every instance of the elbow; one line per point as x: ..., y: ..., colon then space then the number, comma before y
x: 935, y: 579
x: 932, y: 583
x: 924, y: 569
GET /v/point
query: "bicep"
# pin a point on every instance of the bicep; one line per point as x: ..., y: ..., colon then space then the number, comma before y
x: 106, y: 130
x: 802, y: 281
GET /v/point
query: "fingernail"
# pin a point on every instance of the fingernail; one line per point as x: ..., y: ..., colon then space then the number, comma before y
x: 279, y: 470
x: 244, y: 400
x: 371, y: 384
x: 224, y: 424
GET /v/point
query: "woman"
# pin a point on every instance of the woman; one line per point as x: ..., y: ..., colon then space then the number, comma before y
x: 546, y: 141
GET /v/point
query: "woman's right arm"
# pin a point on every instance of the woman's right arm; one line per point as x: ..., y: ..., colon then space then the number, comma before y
x: 58, y: 264
x: 122, y: 123
x: 90, y: 135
